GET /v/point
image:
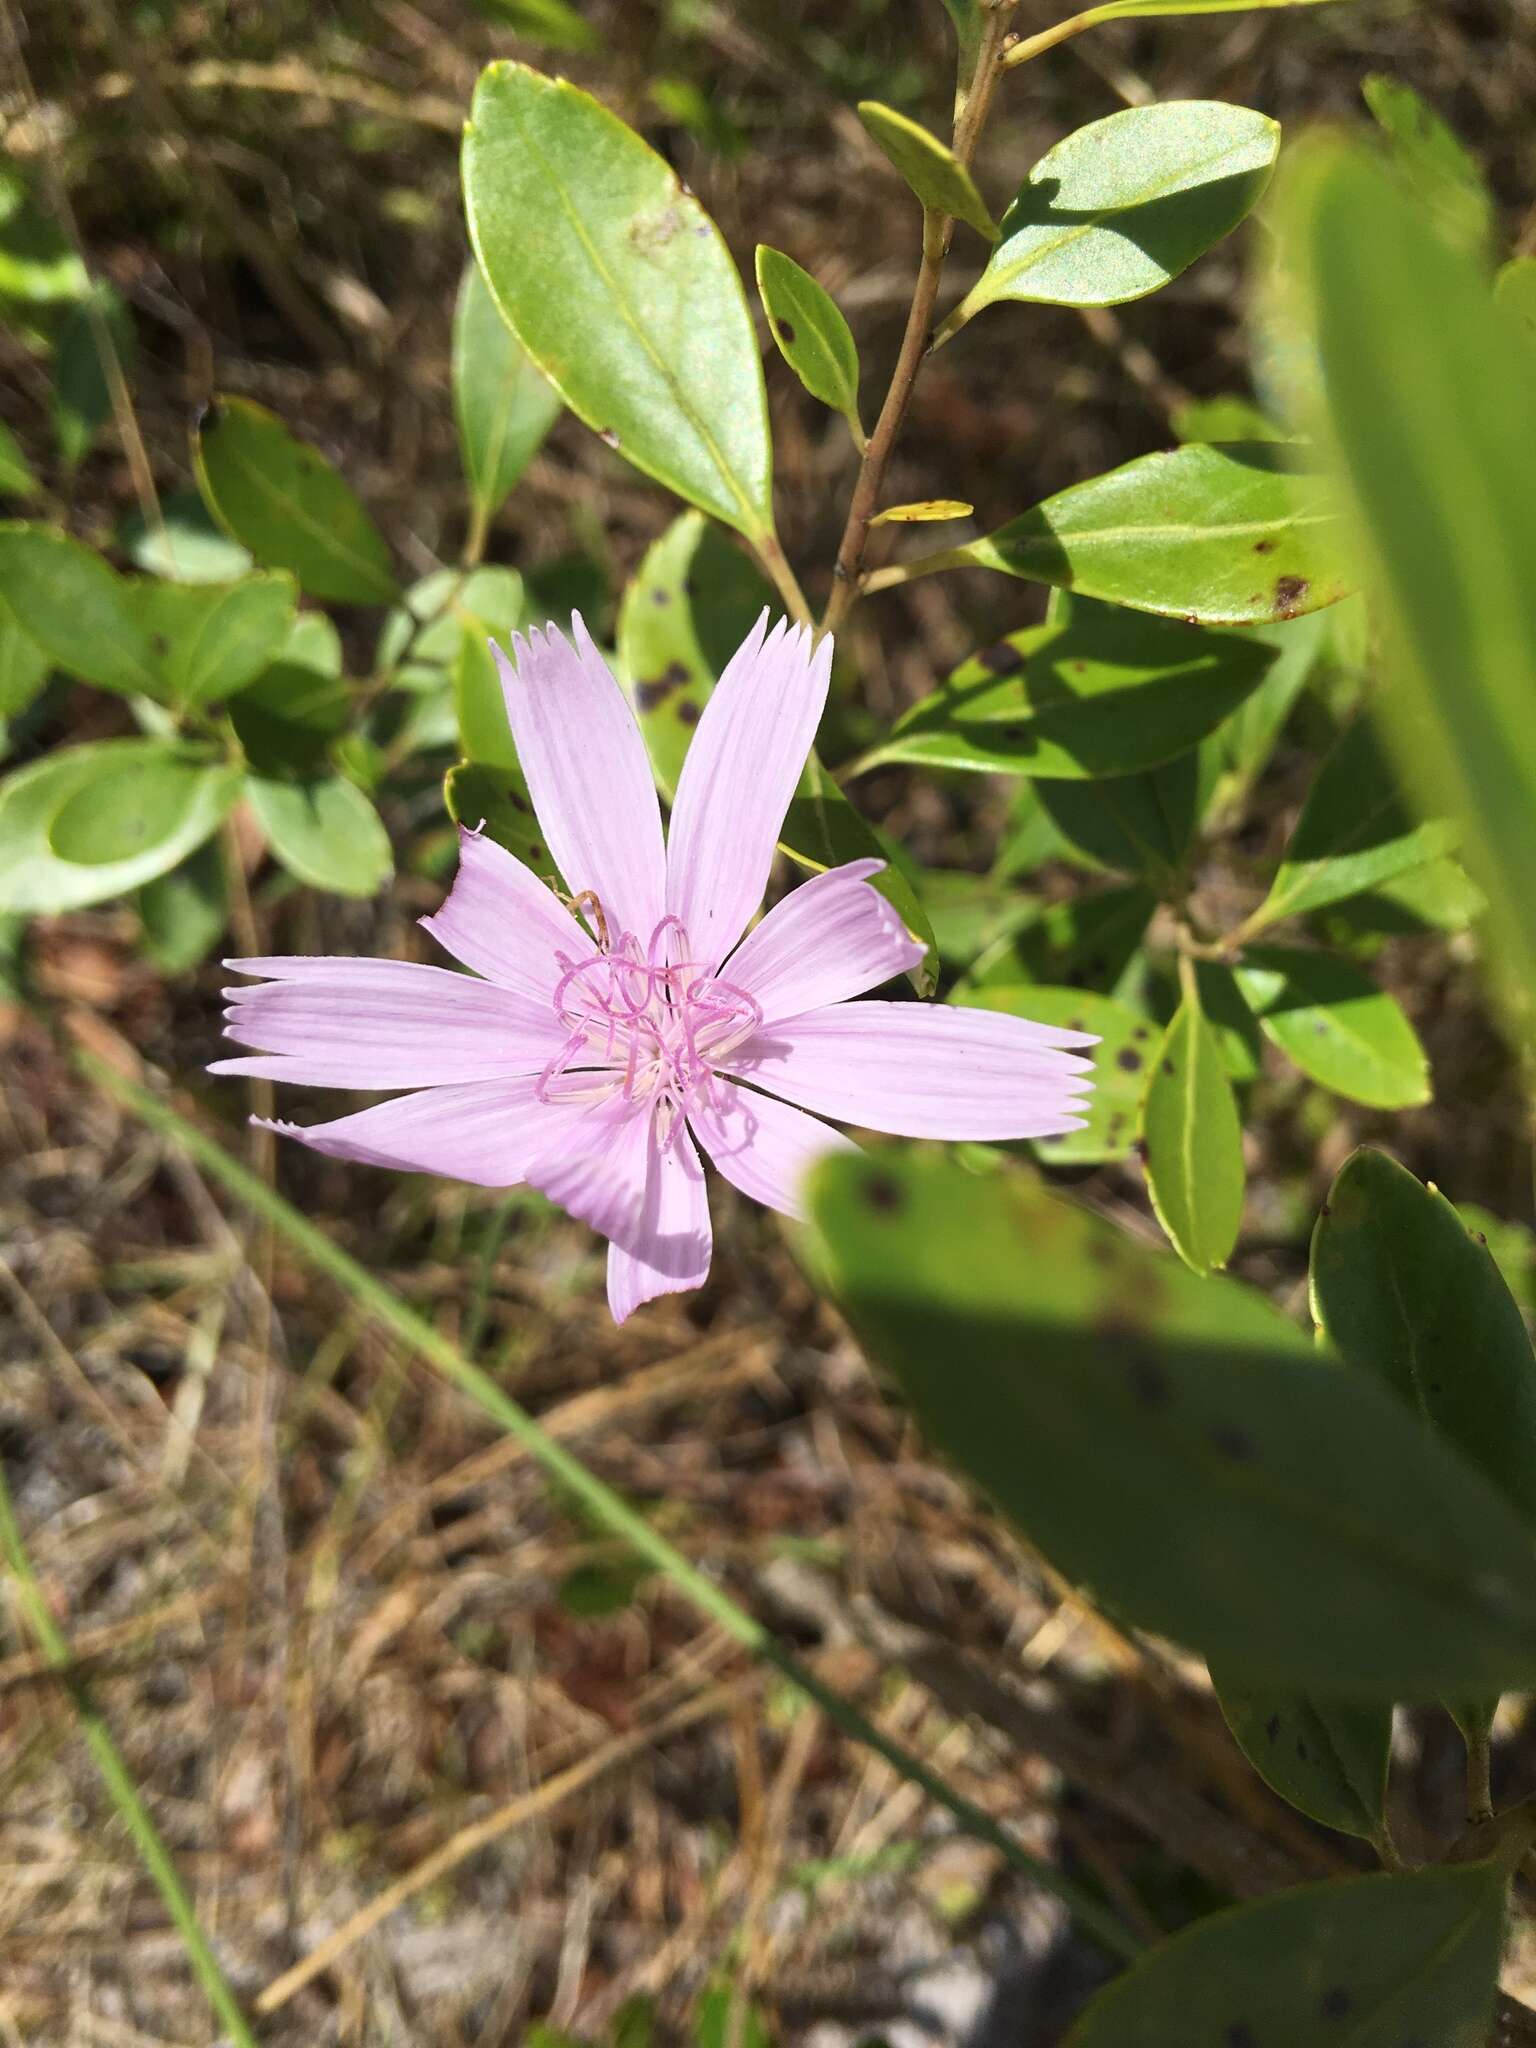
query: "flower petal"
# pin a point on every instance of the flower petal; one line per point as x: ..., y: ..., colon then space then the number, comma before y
x: 502, y: 921
x: 738, y: 776
x: 335, y: 1023
x: 923, y: 1070
x: 588, y: 774
x: 831, y: 938
x: 672, y: 1251
x: 487, y: 1132
x: 764, y: 1147
x: 597, y: 1172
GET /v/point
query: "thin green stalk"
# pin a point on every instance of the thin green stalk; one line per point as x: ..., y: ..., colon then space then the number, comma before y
x: 600, y: 1502
x: 153, y: 1853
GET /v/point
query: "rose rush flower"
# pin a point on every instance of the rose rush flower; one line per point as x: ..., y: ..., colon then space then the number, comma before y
x: 595, y: 1048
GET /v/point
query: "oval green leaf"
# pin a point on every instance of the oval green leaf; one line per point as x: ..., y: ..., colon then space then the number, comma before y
x: 1108, y: 1392
x: 811, y: 334
x: 692, y: 602
x: 23, y: 665
x: 281, y: 499
x: 1102, y: 691
x: 1354, y: 833
x: 1366, y: 1962
x: 96, y: 821
x: 1233, y: 535
x: 1127, y: 1044
x: 1120, y: 208
x: 503, y: 404
x: 619, y: 287
x: 209, y: 640
x: 77, y: 609
x: 1328, y: 1758
x: 823, y: 830
x: 16, y: 475
x: 930, y: 168
x: 184, y: 545
x: 1333, y: 1022
x: 495, y: 800
x: 1088, y: 941
x: 1403, y: 1289
x: 289, y: 716
x: 1194, y: 1142
x: 1134, y: 824
x: 325, y: 833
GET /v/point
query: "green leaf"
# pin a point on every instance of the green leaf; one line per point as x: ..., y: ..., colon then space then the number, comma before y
x: 617, y: 284
x: 1442, y: 175
x: 1127, y: 1043
x: 17, y: 479
x: 1143, y: 10
x: 966, y: 16
x: 38, y: 265
x: 970, y: 912
x: 281, y: 499
x: 80, y: 612
x: 929, y: 167
x: 1440, y: 896
x: 1242, y: 1043
x: 1368, y: 1962
x: 812, y: 335
x: 822, y: 830
x: 1226, y: 536
x: 692, y: 602
x: 1121, y: 1409
x: 1353, y: 834
x: 1402, y: 1289
x: 1120, y: 208
x: 1514, y: 290
x: 503, y: 405
x: 1336, y: 1025
x: 1104, y: 691
x: 727, y: 2019
x: 1193, y: 1140
x: 183, y: 914
x: 288, y: 717
x: 1087, y: 941
x: 1223, y: 419
x: 419, y: 639
x: 1139, y: 824
x: 185, y: 546
x: 95, y: 821
x: 82, y: 396
x: 1431, y: 422
x: 485, y: 732
x: 325, y: 833
x: 1247, y: 738
x: 23, y: 666
x: 209, y: 640
x: 495, y: 800
x: 1329, y: 1758
x: 552, y: 24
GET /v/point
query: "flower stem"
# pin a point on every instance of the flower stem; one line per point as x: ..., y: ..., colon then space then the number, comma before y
x: 600, y: 1501
x: 938, y: 230
x: 115, y: 1775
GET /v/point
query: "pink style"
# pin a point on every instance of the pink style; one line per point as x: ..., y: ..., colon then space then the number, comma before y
x: 594, y: 1050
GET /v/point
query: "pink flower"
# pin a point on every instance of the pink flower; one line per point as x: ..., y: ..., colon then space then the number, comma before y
x: 591, y: 1059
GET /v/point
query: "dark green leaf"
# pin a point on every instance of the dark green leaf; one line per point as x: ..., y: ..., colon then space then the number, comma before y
x: 1122, y: 1410
x: 1106, y: 691
x: 1121, y: 207
x: 1440, y: 896
x: 1336, y: 1025
x: 1087, y: 942
x: 504, y: 406
x: 289, y: 716
x: 184, y: 545
x: 692, y: 602
x: 281, y: 499
x: 617, y: 284
x: 96, y: 821
x: 1127, y: 1045
x: 811, y: 334
x: 1193, y: 1141
x: 1353, y: 834
x: 82, y: 395
x: 1242, y: 1043
x: 23, y: 665
x: 16, y: 476
x: 1432, y: 420
x: 183, y: 914
x: 1402, y: 1289
x: 1245, y: 742
x: 209, y: 640
x: 1327, y: 1757
x: 81, y: 613
x: 496, y: 800
x: 1443, y: 176
x: 38, y: 266
x: 1366, y: 1962
x: 325, y: 833
x: 970, y: 912
x: 1138, y: 824
x: 822, y: 830
x: 1226, y: 536
x: 929, y: 167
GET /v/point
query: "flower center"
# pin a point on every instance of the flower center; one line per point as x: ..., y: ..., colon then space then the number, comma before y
x: 645, y: 1025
